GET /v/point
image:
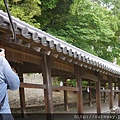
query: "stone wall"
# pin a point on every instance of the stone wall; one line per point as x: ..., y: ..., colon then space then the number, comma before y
x: 31, y: 95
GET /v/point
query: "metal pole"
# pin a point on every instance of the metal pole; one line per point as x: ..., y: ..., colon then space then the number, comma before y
x: 11, y: 22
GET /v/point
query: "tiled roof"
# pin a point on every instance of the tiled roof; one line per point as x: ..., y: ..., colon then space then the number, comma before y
x: 60, y: 46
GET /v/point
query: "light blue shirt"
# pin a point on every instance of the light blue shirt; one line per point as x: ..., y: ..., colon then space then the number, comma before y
x: 8, y: 80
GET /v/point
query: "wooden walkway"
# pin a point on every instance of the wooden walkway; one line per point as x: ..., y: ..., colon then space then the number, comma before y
x: 71, y: 114
x: 89, y: 109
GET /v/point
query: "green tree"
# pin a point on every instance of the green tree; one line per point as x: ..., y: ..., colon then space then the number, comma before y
x: 114, y: 7
x: 54, y: 13
x: 91, y: 28
x: 26, y: 10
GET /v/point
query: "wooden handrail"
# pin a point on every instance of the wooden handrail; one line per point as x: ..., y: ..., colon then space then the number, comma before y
x: 65, y: 88
x: 105, y: 90
x: 29, y: 85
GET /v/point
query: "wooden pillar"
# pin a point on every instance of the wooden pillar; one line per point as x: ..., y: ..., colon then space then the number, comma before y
x: 65, y: 96
x: 118, y: 92
x: 21, y: 92
x: 98, y: 95
x: 90, y: 94
x: 78, y: 76
x: 110, y: 93
x: 105, y: 92
x: 115, y: 89
x: 46, y: 72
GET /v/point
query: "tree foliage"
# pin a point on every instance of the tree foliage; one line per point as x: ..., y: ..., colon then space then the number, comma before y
x: 91, y: 28
x: 92, y: 25
x: 26, y: 10
x: 114, y: 6
x: 54, y: 13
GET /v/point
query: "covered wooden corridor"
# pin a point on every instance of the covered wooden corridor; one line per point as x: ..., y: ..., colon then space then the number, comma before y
x: 36, y: 51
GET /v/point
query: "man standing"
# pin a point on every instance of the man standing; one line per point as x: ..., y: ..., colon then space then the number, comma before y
x: 8, y: 80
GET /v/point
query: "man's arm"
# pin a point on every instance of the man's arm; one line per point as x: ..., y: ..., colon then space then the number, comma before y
x: 11, y: 78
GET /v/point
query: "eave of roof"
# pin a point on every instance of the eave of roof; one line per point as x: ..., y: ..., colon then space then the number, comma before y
x: 60, y: 46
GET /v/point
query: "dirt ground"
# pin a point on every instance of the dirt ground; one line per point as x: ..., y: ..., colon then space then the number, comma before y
x: 58, y: 97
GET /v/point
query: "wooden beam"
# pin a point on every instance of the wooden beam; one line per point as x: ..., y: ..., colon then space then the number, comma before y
x: 90, y: 94
x: 47, y: 52
x: 65, y: 95
x: 110, y: 93
x: 62, y: 57
x: 19, y: 41
x: 69, y: 60
x: 36, y: 48
x: 78, y: 76
x: 115, y: 90
x: 21, y: 92
x: 62, y: 66
x: 29, y: 85
x: 98, y: 94
x: 105, y: 92
x: 105, y: 77
x: 46, y: 72
x: 75, y: 62
x: 54, y: 55
x: 62, y: 74
x: 65, y: 88
x: 119, y: 92
x: 70, y: 69
x: 89, y: 76
x: 17, y: 54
